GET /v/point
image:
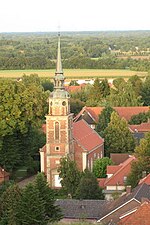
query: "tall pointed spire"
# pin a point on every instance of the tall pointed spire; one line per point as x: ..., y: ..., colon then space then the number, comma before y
x: 59, y: 63
x: 59, y: 77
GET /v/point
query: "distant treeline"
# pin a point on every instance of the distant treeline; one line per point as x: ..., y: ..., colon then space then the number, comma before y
x: 99, y: 50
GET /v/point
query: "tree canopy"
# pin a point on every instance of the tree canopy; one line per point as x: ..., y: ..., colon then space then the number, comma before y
x: 118, y: 138
x: 104, y: 119
x: 88, y: 187
x: 142, y: 153
x: 70, y: 175
x: 100, y: 167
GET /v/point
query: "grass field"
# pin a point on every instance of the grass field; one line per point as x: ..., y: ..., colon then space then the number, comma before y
x: 73, y: 73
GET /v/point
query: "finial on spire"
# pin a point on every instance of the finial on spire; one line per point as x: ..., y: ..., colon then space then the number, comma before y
x: 59, y: 64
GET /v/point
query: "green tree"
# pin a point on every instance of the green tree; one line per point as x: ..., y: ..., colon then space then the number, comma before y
x: 9, y: 204
x: 70, y: 176
x: 47, y: 85
x: 76, y: 105
x: 23, y: 105
x: 142, y: 153
x: 104, y: 88
x: 100, y: 167
x: 145, y: 91
x: 104, y: 119
x: 139, y: 118
x: 88, y: 187
x: 118, y: 138
x: 52, y: 211
x: 95, y: 95
x: 136, y: 84
x: 123, y: 94
x: 21, y: 114
x: 32, y: 207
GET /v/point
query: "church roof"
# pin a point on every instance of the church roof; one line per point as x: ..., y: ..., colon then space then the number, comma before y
x: 86, y: 136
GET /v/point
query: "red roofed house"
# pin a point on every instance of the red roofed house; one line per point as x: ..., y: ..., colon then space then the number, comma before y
x: 71, y: 89
x: 116, y: 178
x: 63, y: 137
x: 91, y: 114
x: 4, y: 176
x: 139, y: 130
x: 139, y: 215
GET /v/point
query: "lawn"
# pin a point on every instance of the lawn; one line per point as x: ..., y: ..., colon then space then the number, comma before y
x: 73, y: 73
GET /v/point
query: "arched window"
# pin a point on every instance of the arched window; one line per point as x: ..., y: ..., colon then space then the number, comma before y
x: 56, y: 131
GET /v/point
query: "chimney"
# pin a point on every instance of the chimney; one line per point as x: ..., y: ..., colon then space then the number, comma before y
x: 128, y: 189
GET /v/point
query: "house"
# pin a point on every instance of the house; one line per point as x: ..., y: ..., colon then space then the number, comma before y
x: 91, y: 114
x: 75, y: 210
x: 139, y: 215
x: 115, y: 183
x: 139, y: 130
x: 88, y: 145
x: 127, y: 202
x: 4, y: 176
x: 72, y: 89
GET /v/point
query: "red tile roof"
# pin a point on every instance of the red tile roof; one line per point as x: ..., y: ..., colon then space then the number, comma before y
x: 128, y: 112
x: 141, y: 216
x: 86, y: 136
x: 143, y: 127
x: 145, y: 180
x: 118, y: 158
x: 113, y: 169
x: 123, y: 171
x: 125, y: 112
x: 74, y: 88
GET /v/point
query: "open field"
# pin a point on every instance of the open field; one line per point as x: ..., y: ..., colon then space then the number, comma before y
x: 73, y: 73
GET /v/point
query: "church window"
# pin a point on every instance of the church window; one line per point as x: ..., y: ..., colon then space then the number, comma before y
x: 56, y: 131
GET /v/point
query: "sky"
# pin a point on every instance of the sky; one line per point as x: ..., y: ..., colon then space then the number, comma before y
x: 73, y: 15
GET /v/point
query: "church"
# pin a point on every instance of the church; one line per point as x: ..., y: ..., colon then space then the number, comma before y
x: 65, y: 137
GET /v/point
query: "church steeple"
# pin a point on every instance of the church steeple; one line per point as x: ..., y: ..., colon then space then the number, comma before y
x: 59, y: 63
x: 59, y: 77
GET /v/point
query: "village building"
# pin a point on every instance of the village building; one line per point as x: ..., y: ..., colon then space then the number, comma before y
x: 126, y: 203
x: 63, y: 137
x: 91, y: 114
x: 115, y: 182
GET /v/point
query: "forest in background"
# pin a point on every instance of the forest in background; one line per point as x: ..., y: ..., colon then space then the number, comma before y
x: 80, y: 50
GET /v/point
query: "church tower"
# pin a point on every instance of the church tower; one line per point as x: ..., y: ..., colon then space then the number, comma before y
x: 59, y: 123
